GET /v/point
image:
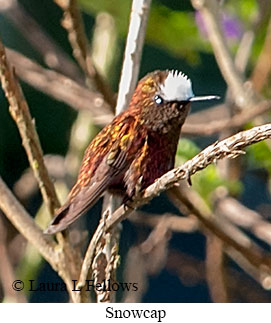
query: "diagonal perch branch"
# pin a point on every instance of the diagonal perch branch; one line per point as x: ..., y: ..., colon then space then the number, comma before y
x: 228, y: 148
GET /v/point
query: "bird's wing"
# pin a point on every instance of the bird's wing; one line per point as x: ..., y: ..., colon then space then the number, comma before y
x: 91, y: 184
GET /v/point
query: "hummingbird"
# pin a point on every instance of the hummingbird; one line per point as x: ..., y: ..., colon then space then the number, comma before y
x: 136, y: 148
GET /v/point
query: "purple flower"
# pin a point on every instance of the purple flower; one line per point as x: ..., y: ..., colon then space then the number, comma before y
x: 231, y: 25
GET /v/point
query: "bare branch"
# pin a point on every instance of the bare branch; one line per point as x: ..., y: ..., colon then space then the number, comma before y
x: 106, y: 260
x: 104, y: 43
x: 174, y: 223
x: 242, y: 216
x: 211, y: 14
x: 133, y: 50
x: 135, y: 270
x: 238, y: 120
x: 214, y: 269
x: 52, y: 54
x: 25, y: 224
x: 7, y: 268
x: 235, y: 241
x: 61, y: 88
x: 20, y: 113
x: 263, y: 65
x: 90, y: 253
x: 244, y: 50
x: 72, y: 22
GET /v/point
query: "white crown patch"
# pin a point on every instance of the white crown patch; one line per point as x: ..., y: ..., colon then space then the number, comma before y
x: 177, y: 87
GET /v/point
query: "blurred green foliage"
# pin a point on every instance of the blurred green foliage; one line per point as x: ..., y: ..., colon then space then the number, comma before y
x: 207, y: 180
x: 259, y: 156
x: 254, y: 16
x: 172, y: 30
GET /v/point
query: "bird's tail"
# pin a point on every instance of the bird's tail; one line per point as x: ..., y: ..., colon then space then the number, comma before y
x: 62, y: 219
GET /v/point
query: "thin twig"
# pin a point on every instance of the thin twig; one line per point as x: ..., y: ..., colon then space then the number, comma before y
x: 230, y: 235
x: 20, y: 113
x: 134, y: 44
x: 236, y: 121
x: 106, y: 260
x: 263, y: 66
x: 52, y: 54
x: 228, y: 148
x: 73, y: 23
x: 89, y: 255
x: 61, y: 87
x: 174, y: 223
x: 242, y: 216
x: 146, y: 258
x: 25, y: 224
x: 104, y: 43
x: 135, y: 270
x: 191, y: 271
x: 243, y: 53
x: 214, y: 269
x: 211, y: 14
x: 215, y: 248
x: 7, y: 267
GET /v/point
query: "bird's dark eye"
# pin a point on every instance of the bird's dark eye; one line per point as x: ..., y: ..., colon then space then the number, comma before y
x: 158, y: 100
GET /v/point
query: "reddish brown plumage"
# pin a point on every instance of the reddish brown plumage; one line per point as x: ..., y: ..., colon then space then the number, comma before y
x: 137, y: 147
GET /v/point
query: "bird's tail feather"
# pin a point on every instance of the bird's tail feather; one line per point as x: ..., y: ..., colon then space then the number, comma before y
x: 61, y: 220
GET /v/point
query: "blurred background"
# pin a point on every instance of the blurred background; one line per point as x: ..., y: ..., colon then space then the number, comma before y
x: 164, y: 247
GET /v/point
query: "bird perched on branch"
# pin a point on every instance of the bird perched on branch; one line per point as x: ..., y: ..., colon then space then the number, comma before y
x: 136, y: 148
